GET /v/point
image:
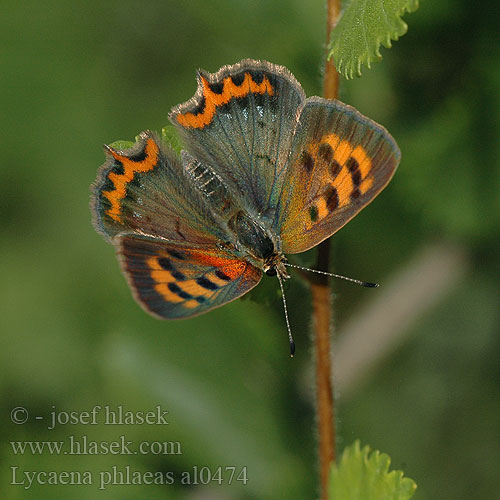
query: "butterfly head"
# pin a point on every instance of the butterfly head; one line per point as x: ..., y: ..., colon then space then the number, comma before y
x: 275, y: 266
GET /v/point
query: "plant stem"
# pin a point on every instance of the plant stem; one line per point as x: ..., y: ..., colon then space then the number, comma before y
x: 321, y: 298
x: 331, y: 76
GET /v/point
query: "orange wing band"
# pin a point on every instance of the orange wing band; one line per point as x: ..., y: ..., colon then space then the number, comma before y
x: 213, y: 100
x: 130, y: 168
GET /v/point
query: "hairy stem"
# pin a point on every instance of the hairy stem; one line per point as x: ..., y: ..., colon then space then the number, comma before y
x: 324, y: 395
x: 331, y: 76
x: 321, y: 298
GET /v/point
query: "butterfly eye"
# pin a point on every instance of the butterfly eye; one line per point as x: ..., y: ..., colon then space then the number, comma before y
x: 271, y: 271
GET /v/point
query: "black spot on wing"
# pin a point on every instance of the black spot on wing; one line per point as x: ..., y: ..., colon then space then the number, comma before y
x: 238, y: 78
x: 325, y: 152
x: 176, y: 254
x: 200, y: 107
x: 206, y: 283
x: 178, y: 275
x: 352, y: 164
x: 335, y: 168
x: 331, y: 198
x: 165, y: 264
x: 118, y: 168
x: 181, y: 293
x: 222, y: 275
x: 108, y: 185
x: 307, y: 161
x: 356, y: 177
x: 356, y: 193
x: 257, y: 76
x: 139, y: 156
x: 216, y: 87
x: 274, y: 80
x: 168, y: 266
x: 313, y: 213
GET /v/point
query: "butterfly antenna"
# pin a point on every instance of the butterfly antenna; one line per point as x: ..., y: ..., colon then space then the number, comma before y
x: 290, y: 338
x: 358, y: 282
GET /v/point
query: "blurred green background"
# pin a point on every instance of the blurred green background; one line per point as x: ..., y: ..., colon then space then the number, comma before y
x: 426, y: 390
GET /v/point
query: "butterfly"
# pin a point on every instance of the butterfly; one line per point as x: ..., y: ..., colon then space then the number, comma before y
x: 264, y: 172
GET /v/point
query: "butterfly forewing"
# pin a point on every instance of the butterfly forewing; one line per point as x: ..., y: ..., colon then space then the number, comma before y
x: 240, y: 123
x: 172, y: 280
x: 339, y: 161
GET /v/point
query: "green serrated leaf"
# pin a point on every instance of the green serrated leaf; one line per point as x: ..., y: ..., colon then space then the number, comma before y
x: 170, y: 135
x: 364, y: 475
x: 121, y: 145
x: 363, y: 26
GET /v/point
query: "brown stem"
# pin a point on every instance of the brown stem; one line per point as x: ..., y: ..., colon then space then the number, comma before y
x: 324, y: 395
x: 321, y: 298
x: 331, y: 77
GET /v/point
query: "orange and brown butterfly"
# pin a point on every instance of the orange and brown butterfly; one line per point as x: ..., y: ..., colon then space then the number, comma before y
x: 264, y: 172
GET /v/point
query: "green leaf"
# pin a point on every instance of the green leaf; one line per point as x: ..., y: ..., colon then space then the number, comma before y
x: 363, y: 26
x: 364, y: 475
x: 121, y: 145
x: 170, y: 135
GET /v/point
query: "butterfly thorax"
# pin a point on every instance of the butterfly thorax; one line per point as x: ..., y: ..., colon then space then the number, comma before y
x: 260, y: 245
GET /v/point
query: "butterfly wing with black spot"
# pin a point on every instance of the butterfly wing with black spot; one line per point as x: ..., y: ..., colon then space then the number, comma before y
x: 339, y: 162
x: 174, y: 280
x: 240, y: 123
x: 148, y: 189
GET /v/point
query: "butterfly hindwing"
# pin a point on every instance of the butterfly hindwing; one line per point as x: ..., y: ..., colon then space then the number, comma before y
x: 173, y: 280
x: 340, y: 160
x: 147, y: 189
x: 240, y: 123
